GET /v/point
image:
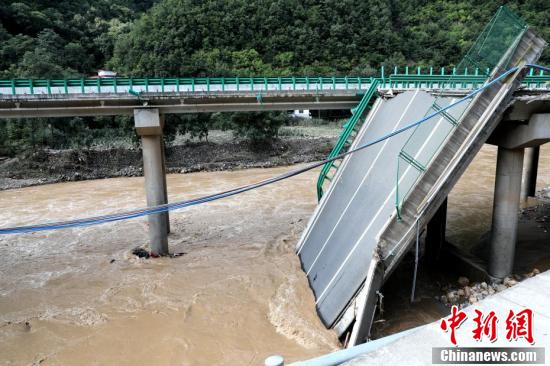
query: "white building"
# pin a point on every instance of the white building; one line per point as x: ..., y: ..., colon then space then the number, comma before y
x: 301, y: 113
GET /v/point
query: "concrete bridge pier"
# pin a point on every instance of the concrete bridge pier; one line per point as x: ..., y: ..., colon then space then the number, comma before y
x: 530, y: 171
x: 505, y: 211
x: 149, y: 124
x: 512, y: 138
x: 163, y: 149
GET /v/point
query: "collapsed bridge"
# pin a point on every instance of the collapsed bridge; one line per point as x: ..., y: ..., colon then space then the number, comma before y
x: 377, y: 204
x: 373, y: 205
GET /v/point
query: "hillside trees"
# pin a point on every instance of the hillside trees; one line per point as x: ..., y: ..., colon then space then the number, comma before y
x: 242, y: 37
x: 60, y: 38
x: 64, y: 38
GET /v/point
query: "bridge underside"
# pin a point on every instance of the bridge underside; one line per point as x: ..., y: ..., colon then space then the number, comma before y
x: 117, y: 104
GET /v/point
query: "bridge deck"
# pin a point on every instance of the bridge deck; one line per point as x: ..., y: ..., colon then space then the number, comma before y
x: 63, y: 105
x: 91, y: 104
x: 114, y: 96
x: 382, y: 196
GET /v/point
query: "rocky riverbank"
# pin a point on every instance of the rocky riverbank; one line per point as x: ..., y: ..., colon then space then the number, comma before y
x: 45, y: 166
x: 531, y: 257
x: 464, y: 293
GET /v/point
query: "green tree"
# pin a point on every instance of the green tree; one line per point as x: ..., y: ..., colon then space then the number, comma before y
x: 257, y: 126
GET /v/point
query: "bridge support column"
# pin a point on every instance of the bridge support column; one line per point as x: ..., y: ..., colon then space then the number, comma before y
x: 505, y: 212
x: 163, y: 150
x: 149, y: 124
x: 530, y: 171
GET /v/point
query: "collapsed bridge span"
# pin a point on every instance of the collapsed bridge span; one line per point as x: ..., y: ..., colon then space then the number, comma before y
x: 380, y: 199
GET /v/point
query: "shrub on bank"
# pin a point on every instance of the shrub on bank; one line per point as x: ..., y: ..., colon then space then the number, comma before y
x: 18, y: 135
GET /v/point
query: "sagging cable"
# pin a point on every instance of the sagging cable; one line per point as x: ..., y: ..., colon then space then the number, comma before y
x: 97, y: 220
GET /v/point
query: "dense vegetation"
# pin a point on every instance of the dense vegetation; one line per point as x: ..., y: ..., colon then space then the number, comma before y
x: 228, y: 37
x: 48, y: 38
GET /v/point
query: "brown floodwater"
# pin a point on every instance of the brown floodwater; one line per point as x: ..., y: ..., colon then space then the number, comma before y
x: 237, y: 295
x: 470, y: 204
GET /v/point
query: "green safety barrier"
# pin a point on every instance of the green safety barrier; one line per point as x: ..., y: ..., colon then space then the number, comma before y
x: 426, y: 77
x: 255, y: 83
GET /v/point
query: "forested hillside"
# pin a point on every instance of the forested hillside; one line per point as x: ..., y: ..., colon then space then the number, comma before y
x: 48, y: 38
x: 221, y: 37
x: 55, y: 39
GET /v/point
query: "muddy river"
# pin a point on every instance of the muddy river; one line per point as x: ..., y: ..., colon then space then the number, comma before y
x: 471, y: 201
x: 237, y: 295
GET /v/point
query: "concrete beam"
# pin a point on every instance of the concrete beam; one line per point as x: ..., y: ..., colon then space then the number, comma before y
x: 72, y: 111
x: 149, y: 124
x: 106, y: 104
x: 513, y: 135
x: 528, y: 103
x: 530, y: 170
x: 123, y: 104
x: 505, y: 212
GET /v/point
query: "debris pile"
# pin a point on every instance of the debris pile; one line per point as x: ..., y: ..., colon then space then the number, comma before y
x: 463, y: 293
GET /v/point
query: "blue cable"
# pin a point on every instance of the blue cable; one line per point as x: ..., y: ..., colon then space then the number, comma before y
x: 97, y: 220
x: 543, y: 68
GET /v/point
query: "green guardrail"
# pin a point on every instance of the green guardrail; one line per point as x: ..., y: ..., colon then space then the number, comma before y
x: 400, y: 77
x: 350, y: 129
x: 252, y: 83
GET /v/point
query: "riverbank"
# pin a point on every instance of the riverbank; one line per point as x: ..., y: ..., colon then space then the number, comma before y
x: 44, y: 166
